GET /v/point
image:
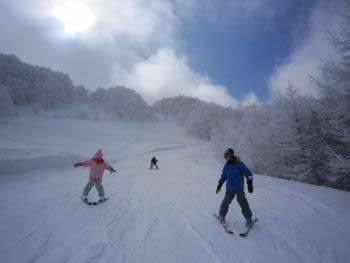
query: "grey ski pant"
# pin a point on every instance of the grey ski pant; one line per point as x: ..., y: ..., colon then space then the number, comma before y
x: 242, y: 201
x: 98, y: 185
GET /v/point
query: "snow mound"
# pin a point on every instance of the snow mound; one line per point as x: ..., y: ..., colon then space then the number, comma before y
x: 22, y: 165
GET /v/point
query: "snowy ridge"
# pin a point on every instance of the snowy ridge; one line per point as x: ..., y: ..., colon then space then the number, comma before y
x: 160, y: 215
x: 21, y: 165
x: 158, y: 149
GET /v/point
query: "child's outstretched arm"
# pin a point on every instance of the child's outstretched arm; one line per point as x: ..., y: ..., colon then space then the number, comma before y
x: 109, y: 168
x: 77, y: 165
x: 84, y: 164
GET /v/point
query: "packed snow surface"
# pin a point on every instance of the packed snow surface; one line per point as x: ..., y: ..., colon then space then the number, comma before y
x: 160, y: 215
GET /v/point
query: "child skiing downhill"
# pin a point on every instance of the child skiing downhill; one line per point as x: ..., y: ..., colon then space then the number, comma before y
x: 97, y: 166
x: 232, y: 174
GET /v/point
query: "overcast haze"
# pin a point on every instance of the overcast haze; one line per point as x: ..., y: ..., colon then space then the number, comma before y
x: 227, y: 52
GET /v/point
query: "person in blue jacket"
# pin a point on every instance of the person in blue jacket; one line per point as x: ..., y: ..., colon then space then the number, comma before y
x: 233, y: 174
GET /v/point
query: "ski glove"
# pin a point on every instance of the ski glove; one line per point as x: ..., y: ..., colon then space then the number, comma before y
x: 250, y: 186
x: 218, y: 188
x: 77, y: 164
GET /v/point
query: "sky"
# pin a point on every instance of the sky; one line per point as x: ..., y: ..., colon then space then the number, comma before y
x: 225, y: 51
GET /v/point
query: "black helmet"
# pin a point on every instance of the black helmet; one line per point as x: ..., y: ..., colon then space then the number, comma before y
x: 229, y: 153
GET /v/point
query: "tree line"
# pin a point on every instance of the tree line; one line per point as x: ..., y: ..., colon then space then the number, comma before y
x: 41, y: 89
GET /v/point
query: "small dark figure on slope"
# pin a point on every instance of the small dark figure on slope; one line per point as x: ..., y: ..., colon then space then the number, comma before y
x: 154, y: 163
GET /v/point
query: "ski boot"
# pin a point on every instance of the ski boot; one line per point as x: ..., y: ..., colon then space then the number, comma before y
x: 221, y: 219
x: 249, y: 222
x: 102, y: 199
x: 84, y: 198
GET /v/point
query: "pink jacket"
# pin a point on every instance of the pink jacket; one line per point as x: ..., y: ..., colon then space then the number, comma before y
x: 96, y: 170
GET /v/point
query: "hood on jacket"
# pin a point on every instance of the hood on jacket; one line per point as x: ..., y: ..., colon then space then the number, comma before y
x: 98, y: 154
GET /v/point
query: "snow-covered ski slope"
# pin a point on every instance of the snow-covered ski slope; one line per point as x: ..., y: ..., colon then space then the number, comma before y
x: 151, y: 216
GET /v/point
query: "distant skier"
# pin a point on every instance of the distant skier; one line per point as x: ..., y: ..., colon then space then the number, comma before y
x: 97, y: 166
x: 233, y: 174
x: 154, y: 163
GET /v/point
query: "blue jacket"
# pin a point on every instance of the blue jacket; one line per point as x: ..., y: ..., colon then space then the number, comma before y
x: 233, y: 173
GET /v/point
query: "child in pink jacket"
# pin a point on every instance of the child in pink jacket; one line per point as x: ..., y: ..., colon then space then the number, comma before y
x: 97, y: 166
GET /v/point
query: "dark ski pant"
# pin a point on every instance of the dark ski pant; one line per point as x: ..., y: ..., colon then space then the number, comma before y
x: 153, y: 165
x: 242, y: 201
x: 98, y: 184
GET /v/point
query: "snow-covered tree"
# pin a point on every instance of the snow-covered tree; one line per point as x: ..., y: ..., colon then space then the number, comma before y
x: 335, y: 105
x: 291, y: 113
x: 34, y: 86
x: 6, y: 103
x: 200, y: 118
x: 122, y: 103
x: 80, y: 94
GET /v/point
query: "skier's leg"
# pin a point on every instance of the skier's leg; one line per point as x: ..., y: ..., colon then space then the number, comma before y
x: 88, y: 187
x: 243, y: 202
x: 99, y: 187
x: 226, y: 203
x: 156, y: 166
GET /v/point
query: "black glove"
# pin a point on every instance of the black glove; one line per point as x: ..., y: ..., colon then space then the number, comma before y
x: 218, y: 188
x: 250, y: 186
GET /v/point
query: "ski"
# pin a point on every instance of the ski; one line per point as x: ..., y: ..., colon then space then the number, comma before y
x: 89, y: 203
x: 100, y: 202
x: 93, y: 203
x: 245, y: 233
x: 224, y: 225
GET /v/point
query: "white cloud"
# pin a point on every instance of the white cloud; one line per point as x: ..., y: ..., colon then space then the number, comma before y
x: 250, y: 99
x: 144, y: 22
x: 307, y: 58
x: 120, y: 34
x: 77, y: 17
x: 122, y: 43
x: 164, y: 74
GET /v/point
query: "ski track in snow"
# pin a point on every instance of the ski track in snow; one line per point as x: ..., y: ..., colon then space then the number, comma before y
x: 209, y: 248
x: 160, y: 215
x: 149, y: 231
